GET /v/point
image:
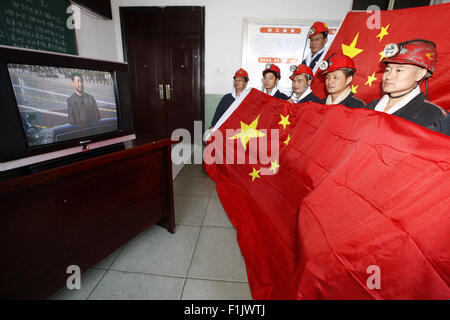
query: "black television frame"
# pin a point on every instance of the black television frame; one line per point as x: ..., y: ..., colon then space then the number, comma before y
x: 13, y: 141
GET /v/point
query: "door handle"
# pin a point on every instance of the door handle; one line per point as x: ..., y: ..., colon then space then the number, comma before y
x: 161, y: 92
x: 168, y: 91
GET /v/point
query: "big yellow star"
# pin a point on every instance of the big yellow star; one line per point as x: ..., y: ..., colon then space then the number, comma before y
x: 370, y: 79
x: 286, y: 142
x: 383, y: 32
x: 255, y: 174
x: 248, y: 131
x: 354, y: 88
x: 274, y: 166
x: 284, y: 121
x: 381, y: 55
x: 351, y: 50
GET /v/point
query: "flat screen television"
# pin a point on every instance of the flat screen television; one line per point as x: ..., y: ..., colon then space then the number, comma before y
x: 54, y: 105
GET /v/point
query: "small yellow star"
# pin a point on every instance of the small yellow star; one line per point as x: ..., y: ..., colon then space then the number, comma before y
x: 383, y: 32
x: 351, y: 50
x: 274, y: 166
x: 354, y: 88
x: 370, y: 79
x: 286, y: 142
x: 255, y: 174
x: 381, y: 55
x: 248, y: 131
x: 284, y: 121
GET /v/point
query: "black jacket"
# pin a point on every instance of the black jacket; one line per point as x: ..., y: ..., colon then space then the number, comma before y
x: 419, y: 111
x: 351, y: 101
x: 314, y: 61
x: 443, y: 126
x: 310, y: 97
x: 280, y: 95
x: 223, y: 106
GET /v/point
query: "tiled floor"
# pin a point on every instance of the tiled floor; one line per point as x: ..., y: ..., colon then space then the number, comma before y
x: 201, y: 260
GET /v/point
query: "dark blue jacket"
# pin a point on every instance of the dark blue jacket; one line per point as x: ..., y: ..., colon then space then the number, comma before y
x: 280, y: 95
x: 418, y: 110
x: 351, y: 101
x: 313, y: 61
x: 310, y: 97
x: 223, y: 106
x: 443, y: 126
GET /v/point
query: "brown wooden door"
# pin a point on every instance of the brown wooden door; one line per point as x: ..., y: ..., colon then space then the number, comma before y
x: 164, y: 50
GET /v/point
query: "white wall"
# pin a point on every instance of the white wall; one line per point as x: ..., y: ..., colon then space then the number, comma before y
x: 224, y: 21
x: 96, y: 37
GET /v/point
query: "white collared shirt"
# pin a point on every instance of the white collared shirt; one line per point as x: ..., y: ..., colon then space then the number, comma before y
x: 272, y: 93
x: 233, y: 93
x: 304, y: 94
x: 381, y: 105
x: 311, y: 58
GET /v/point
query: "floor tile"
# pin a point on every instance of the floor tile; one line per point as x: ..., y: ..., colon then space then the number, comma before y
x: 88, y: 281
x: 192, y: 186
x: 106, y: 263
x: 217, y: 256
x: 215, y: 214
x: 193, y: 170
x: 196, y: 289
x: 133, y: 286
x: 190, y: 210
x: 157, y: 251
x: 214, y: 192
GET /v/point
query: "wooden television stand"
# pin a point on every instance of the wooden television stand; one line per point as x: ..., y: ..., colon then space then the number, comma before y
x: 78, y: 214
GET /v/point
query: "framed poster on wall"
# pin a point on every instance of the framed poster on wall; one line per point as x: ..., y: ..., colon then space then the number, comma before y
x: 282, y: 42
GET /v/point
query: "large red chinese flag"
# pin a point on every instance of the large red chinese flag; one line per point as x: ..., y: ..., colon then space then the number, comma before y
x: 342, y: 204
x: 365, y: 46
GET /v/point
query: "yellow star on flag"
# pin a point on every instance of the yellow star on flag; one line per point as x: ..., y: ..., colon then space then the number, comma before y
x: 255, y: 174
x: 354, y: 88
x: 370, y: 79
x: 248, y: 131
x: 286, y: 142
x: 284, y: 121
x: 382, y: 56
x: 383, y: 32
x: 274, y: 166
x: 351, y: 50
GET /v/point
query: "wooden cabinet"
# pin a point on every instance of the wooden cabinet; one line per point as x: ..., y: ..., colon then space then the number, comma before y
x: 78, y: 214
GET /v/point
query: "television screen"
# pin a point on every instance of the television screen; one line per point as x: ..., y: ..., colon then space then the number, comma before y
x: 59, y: 104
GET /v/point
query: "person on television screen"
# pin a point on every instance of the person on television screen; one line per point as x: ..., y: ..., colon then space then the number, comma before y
x: 82, y: 107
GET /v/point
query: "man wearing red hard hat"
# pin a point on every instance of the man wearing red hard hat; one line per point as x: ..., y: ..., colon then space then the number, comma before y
x: 338, y: 70
x: 407, y: 65
x: 239, y: 84
x: 302, y: 77
x: 271, y: 76
x: 318, y: 37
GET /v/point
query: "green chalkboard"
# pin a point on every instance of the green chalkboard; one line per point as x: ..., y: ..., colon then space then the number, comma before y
x: 37, y: 24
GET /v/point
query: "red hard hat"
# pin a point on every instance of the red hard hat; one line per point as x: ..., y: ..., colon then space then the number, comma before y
x: 417, y: 52
x: 317, y: 28
x: 274, y: 69
x: 335, y: 62
x: 300, y: 69
x: 241, y: 73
